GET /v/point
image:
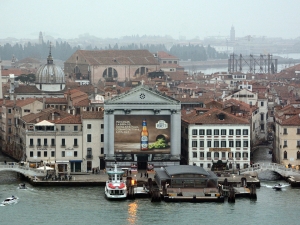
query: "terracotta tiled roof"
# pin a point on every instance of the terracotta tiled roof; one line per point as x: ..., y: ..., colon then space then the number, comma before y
x: 116, y: 57
x: 71, y: 119
x: 56, y: 101
x: 211, y: 117
x: 162, y: 55
x: 45, y: 114
x: 92, y: 115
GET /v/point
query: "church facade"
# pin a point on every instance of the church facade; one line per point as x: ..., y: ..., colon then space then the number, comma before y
x: 142, y: 109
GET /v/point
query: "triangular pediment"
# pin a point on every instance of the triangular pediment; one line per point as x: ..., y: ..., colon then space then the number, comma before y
x: 142, y: 95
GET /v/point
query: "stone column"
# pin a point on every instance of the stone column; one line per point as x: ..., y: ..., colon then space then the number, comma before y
x: 109, y: 133
x: 175, y: 134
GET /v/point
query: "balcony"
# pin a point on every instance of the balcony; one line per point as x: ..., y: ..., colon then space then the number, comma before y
x: 75, y: 146
x: 89, y: 156
x: 63, y: 146
x: 31, y: 146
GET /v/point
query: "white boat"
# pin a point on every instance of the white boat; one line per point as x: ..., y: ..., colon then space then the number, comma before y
x: 277, y: 187
x: 10, y: 200
x: 115, y: 187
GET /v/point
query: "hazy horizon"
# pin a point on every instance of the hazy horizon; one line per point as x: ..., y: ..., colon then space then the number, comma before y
x: 114, y: 19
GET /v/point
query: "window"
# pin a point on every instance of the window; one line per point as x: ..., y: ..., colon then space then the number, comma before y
x: 238, y: 144
x: 75, y: 153
x: 45, y: 153
x: 231, y: 132
x: 261, y: 116
x: 245, y: 155
x: 285, y: 143
x: 231, y: 144
x: 216, y: 154
x: 39, y: 154
x: 102, y: 150
x: 52, y: 142
x: 261, y: 103
x: 238, y: 132
x: 89, y: 126
x: 9, y: 110
x: 62, y: 128
x: 31, y: 154
x: 201, y: 132
x: 209, y: 144
x: 285, y: 155
x: 284, y: 130
x: 52, y: 153
x: 230, y: 155
x: 245, y: 144
x: 45, y: 142
x: 31, y: 142
x: 201, y: 165
x: 201, y: 143
x: 39, y: 142
x: 298, y: 155
x: 201, y: 154
x: 75, y: 142
x: 216, y: 132
x: 245, y: 131
x: 262, y: 127
x: 75, y: 128
x: 298, y: 130
x: 89, y: 153
x: 194, y: 132
x: 194, y: 143
x: 223, y: 132
x: 216, y: 144
x: 208, y: 154
x: 63, y: 142
x: 194, y: 154
x: 63, y: 154
x: 223, y: 154
x: 89, y: 138
x: 238, y: 155
x: 223, y: 144
x: 208, y: 165
x: 102, y: 126
x: 208, y: 132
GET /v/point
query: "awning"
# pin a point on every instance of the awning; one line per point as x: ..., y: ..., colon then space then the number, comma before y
x: 75, y: 160
x: 62, y: 161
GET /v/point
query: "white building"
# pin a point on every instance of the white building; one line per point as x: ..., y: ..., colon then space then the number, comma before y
x: 214, y: 138
x: 93, y: 139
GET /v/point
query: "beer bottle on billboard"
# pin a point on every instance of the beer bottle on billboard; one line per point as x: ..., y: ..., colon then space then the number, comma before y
x: 144, y: 136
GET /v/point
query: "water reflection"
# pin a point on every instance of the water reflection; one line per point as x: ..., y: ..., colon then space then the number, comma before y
x: 132, y: 210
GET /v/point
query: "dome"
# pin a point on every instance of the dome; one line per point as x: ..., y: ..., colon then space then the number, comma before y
x: 50, y: 77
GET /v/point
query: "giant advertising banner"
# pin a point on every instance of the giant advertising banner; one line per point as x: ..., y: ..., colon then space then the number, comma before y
x: 142, y: 134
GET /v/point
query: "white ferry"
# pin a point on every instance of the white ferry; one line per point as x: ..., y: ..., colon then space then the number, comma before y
x: 115, y: 187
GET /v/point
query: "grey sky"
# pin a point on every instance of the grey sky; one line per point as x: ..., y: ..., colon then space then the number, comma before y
x: 117, y: 18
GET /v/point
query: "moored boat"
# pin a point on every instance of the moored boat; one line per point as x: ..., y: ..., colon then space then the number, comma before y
x: 115, y: 187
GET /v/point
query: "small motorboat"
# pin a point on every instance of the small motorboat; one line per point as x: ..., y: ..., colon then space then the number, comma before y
x: 10, y: 200
x: 277, y: 187
x: 22, y: 186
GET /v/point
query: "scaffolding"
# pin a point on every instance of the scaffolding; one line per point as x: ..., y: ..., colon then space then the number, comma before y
x: 253, y: 63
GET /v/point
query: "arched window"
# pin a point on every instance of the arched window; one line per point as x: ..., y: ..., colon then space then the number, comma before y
x: 141, y: 71
x: 298, y: 155
x: 285, y: 155
x: 110, y: 73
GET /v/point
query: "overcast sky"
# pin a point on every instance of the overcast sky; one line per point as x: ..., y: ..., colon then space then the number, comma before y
x: 117, y: 18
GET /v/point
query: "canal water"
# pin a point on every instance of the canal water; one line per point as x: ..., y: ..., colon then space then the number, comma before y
x: 87, y: 205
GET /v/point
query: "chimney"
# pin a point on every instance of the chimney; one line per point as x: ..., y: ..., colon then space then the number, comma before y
x: 52, y: 116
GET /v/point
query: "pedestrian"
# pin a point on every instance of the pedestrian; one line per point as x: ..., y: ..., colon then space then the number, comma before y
x: 130, y: 172
x: 145, y: 174
x: 141, y: 175
x: 5, y: 162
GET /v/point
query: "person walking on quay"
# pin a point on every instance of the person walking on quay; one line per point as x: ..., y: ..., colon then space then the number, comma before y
x: 141, y: 175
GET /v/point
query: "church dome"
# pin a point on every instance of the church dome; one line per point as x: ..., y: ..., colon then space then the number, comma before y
x: 50, y: 77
